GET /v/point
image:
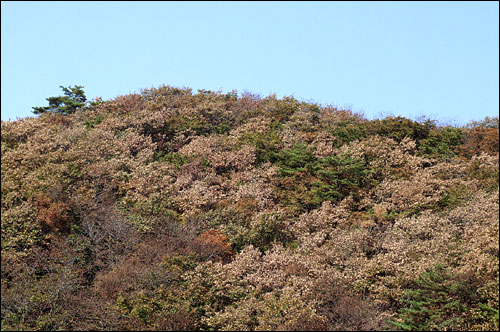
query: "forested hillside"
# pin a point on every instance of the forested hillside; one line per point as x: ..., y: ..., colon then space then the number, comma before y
x: 174, y: 210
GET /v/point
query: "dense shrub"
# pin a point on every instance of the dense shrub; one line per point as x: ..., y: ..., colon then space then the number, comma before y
x: 349, y: 130
x: 52, y: 216
x: 170, y: 209
x: 481, y: 139
x: 444, y: 142
x: 339, y: 176
x: 308, y: 181
x: 398, y: 128
x: 439, y: 301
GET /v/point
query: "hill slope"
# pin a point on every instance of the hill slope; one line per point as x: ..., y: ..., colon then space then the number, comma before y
x: 173, y: 210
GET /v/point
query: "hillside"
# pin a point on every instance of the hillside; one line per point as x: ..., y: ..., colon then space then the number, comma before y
x: 174, y: 210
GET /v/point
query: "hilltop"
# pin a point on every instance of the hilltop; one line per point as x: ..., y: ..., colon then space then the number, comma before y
x: 173, y: 210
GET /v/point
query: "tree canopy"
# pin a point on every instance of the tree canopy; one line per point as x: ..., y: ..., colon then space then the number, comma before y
x: 178, y: 211
x: 73, y: 99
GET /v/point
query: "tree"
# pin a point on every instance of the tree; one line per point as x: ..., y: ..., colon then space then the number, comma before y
x: 339, y: 176
x: 436, y: 302
x: 73, y: 99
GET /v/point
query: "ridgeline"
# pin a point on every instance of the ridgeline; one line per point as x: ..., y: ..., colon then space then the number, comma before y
x: 173, y: 210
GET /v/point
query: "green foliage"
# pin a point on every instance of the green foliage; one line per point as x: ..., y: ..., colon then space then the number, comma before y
x: 282, y: 109
x: 298, y: 159
x: 453, y: 197
x: 435, y: 302
x: 309, y: 181
x: 73, y: 99
x: 234, y: 224
x: 442, y: 143
x: 267, y: 145
x: 89, y: 124
x: 492, y: 312
x: 348, y: 131
x: 84, y: 254
x: 173, y: 158
x: 261, y: 232
x: 267, y: 230
x: 296, y: 171
x: 339, y: 176
x: 399, y: 127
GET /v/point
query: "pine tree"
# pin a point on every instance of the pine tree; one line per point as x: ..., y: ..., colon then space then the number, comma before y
x: 299, y: 159
x: 73, y: 99
x: 339, y: 175
x: 434, y: 303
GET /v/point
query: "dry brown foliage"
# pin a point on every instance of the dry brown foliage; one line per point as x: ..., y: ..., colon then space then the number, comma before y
x: 51, y: 215
x: 168, y: 210
x: 481, y: 139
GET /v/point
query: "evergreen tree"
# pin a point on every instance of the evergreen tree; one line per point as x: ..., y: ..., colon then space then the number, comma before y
x: 435, y: 303
x: 339, y: 176
x: 299, y: 159
x: 73, y: 99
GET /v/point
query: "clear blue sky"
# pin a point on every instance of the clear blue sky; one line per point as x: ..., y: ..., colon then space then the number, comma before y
x: 439, y: 59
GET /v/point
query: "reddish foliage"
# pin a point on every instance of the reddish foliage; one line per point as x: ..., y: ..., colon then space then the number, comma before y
x: 52, y: 216
x: 216, y: 245
x: 481, y: 139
